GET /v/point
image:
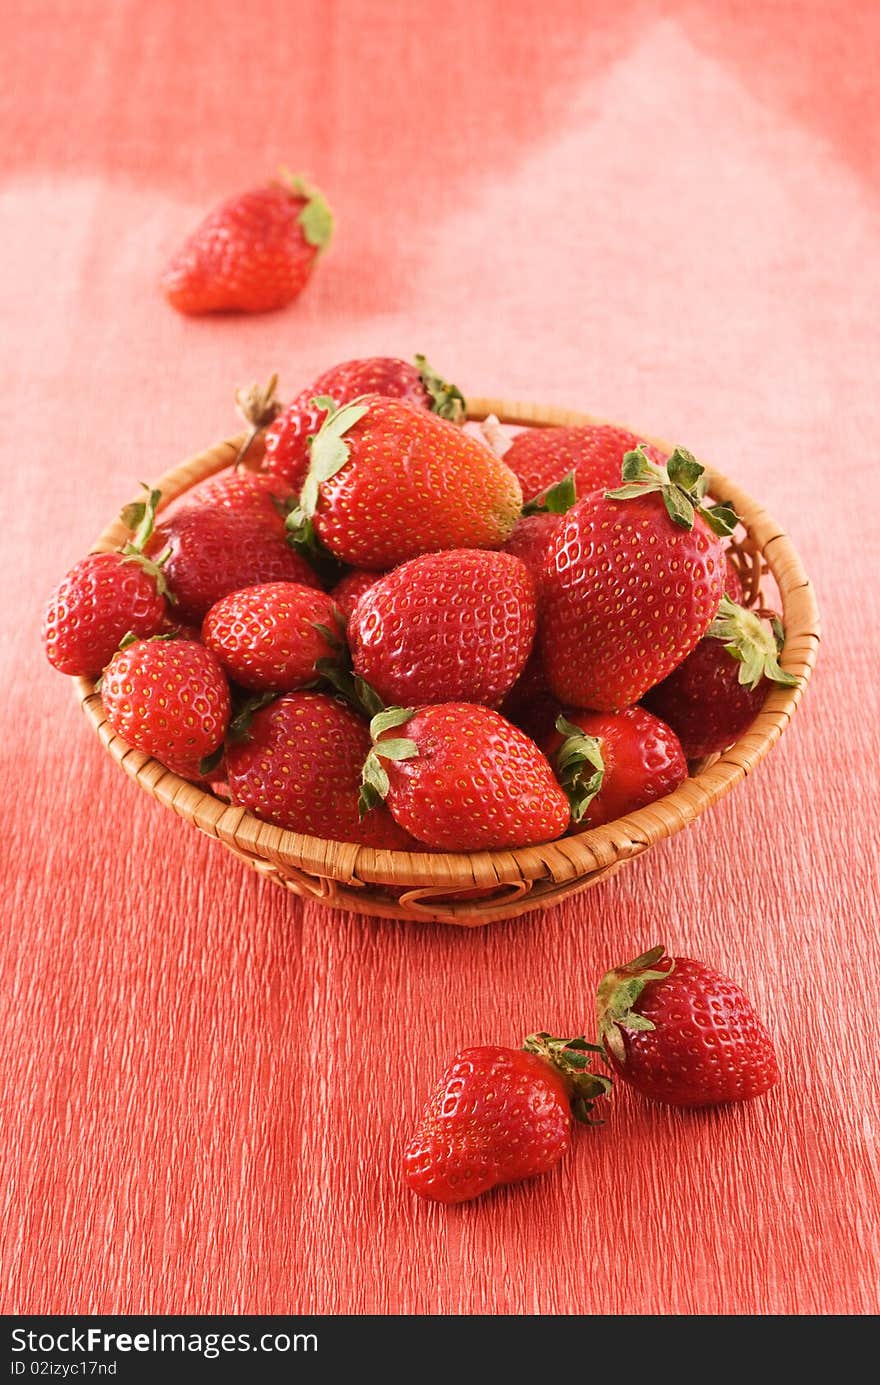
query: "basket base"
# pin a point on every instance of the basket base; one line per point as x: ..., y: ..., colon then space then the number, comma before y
x: 467, y: 908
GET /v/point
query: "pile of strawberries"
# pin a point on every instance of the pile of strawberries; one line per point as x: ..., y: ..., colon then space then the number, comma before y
x: 371, y: 637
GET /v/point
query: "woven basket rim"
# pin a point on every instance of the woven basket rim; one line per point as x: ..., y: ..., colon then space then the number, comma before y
x: 566, y: 859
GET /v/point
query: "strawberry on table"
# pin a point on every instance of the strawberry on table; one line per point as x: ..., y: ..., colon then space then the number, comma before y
x: 455, y: 626
x: 253, y: 253
x: 168, y: 698
x: 417, y: 383
x: 633, y: 579
x: 501, y: 1115
x: 299, y: 766
x: 270, y: 637
x: 717, y: 691
x: 217, y: 551
x: 594, y: 452
x: 680, y: 1032
x: 106, y: 596
x: 611, y: 763
x: 388, y: 482
x: 459, y: 777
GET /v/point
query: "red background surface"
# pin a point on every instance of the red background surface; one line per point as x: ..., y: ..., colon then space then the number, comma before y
x: 664, y: 213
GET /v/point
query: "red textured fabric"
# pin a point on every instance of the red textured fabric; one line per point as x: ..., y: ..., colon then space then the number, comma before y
x: 663, y: 213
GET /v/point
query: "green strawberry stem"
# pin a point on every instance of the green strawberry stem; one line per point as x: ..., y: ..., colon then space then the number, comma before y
x: 141, y: 517
x: 747, y: 639
x: 571, y: 1058
x: 356, y: 691
x: 682, y: 485
x: 316, y: 217
x: 617, y: 994
x: 555, y: 500
x: 374, y: 779
x: 257, y: 405
x: 244, y: 710
x: 579, y: 765
x: 446, y: 400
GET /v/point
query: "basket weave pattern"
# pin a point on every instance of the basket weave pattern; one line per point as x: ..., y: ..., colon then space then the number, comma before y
x: 476, y: 888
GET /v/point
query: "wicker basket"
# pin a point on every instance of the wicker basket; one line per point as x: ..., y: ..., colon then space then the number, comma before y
x: 477, y: 888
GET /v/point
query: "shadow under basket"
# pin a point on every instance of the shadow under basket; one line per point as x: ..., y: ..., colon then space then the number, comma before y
x: 470, y: 889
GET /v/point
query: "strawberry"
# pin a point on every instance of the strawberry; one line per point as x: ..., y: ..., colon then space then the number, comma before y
x: 530, y: 704
x: 460, y: 778
x: 530, y: 541
x: 679, y: 1032
x: 269, y: 638
x: 540, y: 521
x: 300, y: 767
x: 104, y: 597
x: 348, y: 592
x: 500, y: 1115
x: 252, y: 253
x: 417, y: 384
x: 388, y: 482
x: 168, y: 698
x: 717, y: 691
x: 455, y: 626
x: 287, y: 441
x: 593, y: 452
x: 633, y: 579
x: 217, y: 551
x: 611, y: 763
x: 244, y: 492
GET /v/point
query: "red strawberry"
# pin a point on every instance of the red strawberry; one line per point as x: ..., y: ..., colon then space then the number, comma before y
x: 168, y: 698
x: 244, y: 492
x: 530, y: 541
x: 349, y: 591
x: 461, y: 778
x: 216, y: 551
x: 634, y: 578
x: 104, y: 597
x: 388, y: 481
x: 719, y: 689
x: 300, y: 768
x: 455, y: 626
x: 252, y: 253
x: 594, y: 452
x: 269, y: 638
x: 499, y: 1115
x: 530, y: 704
x: 611, y: 763
x: 733, y: 587
x: 682, y: 1033
x: 417, y: 384
x: 287, y: 441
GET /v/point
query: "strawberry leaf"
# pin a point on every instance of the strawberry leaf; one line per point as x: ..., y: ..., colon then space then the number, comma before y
x: 556, y: 500
x: 374, y: 784
x: 387, y: 719
x: 748, y: 640
x: 446, y: 400
x: 572, y: 1059
x: 141, y: 516
x: 580, y: 767
x: 721, y: 519
x: 316, y: 218
x: 617, y: 995
x: 682, y: 483
x: 328, y: 450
